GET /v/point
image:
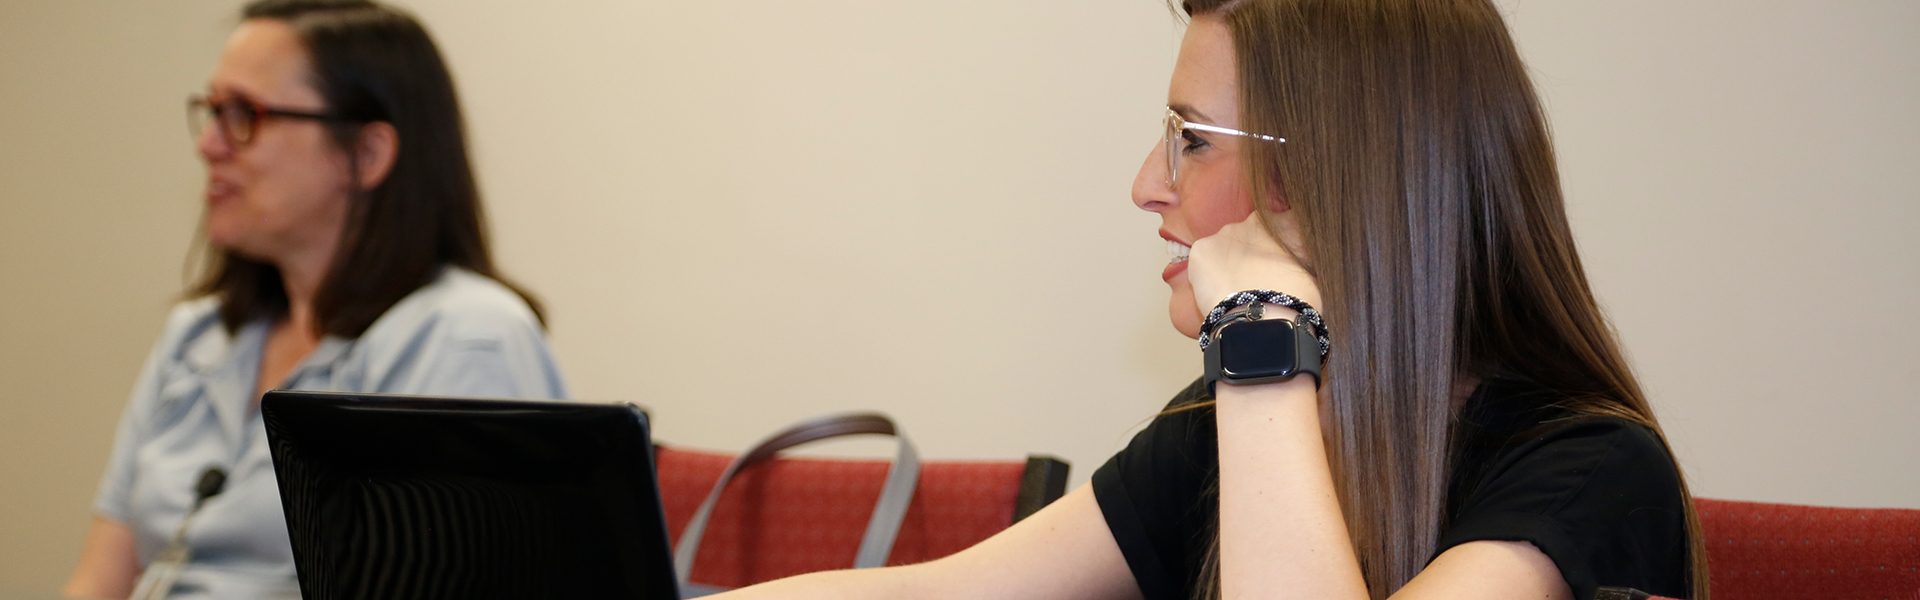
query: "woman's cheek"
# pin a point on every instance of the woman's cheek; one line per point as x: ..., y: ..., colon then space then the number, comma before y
x: 1228, y: 208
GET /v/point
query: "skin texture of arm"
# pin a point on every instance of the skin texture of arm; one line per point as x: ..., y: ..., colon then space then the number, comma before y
x: 107, y: 566
x: 1063, y: 552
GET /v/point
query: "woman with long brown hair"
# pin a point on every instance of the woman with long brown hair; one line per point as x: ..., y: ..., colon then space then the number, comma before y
x: 346, y: 251
x: 1410, y: 389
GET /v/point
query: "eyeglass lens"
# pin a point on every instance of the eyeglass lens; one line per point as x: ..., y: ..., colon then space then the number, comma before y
x: 236, y: 117
x: 1171, y: 137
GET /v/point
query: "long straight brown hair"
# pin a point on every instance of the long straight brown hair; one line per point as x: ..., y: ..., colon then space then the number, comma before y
x: 372, y: 62
x: 1419, y: 166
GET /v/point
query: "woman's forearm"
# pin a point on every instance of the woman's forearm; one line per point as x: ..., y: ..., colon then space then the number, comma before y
x: 1281, y: 530
x: 1063, y: 552
x: 108, y: 565
x: 905, y: 582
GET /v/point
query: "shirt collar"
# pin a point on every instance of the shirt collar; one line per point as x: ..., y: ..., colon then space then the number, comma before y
x: 229, y: 380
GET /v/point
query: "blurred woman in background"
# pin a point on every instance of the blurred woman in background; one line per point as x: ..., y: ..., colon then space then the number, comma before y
x: 346, y: 251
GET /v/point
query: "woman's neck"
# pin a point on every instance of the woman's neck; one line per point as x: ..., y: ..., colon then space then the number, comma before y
x: 301, y: 275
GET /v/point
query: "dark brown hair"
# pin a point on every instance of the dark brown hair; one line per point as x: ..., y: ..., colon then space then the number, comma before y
x: 374, y: 63
x: 1419, y: 166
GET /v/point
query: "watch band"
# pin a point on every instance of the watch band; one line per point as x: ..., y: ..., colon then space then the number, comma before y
x: 1308, y: 315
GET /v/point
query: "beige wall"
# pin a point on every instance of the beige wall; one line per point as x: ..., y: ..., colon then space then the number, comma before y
x: 744, y: 213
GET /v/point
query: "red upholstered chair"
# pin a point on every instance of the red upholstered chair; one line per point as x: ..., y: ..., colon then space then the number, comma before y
x: 1762, y: 551
x: 799, y: 515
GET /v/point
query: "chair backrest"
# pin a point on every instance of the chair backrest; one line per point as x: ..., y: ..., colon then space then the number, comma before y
x: 790, y: 516
x: 1757, y: 550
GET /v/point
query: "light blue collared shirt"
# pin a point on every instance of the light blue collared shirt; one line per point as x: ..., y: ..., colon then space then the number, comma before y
x: 461, y: 335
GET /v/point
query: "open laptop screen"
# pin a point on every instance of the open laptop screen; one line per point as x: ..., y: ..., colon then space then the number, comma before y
x: 416, y: 497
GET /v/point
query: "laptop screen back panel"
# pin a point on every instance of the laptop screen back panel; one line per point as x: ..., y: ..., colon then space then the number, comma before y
x: 395, y: 497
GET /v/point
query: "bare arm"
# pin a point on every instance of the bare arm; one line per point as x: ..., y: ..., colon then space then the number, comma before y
x: 1281, y: 529
x: 1063, y: 552
x: 108, y: 566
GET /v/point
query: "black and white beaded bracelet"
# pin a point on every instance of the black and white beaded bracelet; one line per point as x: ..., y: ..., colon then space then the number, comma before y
x: 1307, y: 314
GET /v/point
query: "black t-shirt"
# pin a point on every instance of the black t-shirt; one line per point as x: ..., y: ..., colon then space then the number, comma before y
x: 1598, y: 495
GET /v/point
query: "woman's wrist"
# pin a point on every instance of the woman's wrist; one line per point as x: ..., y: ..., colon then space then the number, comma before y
x: 1281, y: 390
x: 1236, y: 307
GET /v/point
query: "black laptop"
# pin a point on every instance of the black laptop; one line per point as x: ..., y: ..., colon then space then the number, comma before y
x: 418, y: 497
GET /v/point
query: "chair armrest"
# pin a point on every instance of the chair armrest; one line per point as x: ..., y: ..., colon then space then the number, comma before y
x: 1043, y: 481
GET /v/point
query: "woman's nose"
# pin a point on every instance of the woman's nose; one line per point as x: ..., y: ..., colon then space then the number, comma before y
x: 212, y: 143
x: 1150, y: 190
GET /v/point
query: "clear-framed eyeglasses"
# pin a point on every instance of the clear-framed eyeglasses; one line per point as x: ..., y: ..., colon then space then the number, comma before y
x: 1176, y: 133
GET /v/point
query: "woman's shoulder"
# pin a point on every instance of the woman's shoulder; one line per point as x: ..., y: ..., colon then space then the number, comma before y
x: 192, y: 315
x: 1516, y: 434
x: 457, y: 303
x: 192, y: 324
x: 458, y: 292
x: 1508, y: 410
x: 1576, y: 482
x: 1599, y: 440
x: 463, y: 334
x: 194, y: 310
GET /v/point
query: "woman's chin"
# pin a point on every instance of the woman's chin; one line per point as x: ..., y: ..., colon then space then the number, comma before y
x: 1186, y: 318
x: 229, y: 242
x: 225, y: 243
x: 224, y: 231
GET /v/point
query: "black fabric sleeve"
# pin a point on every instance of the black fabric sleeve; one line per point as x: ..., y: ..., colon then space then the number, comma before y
x: 1154, y: 495
x: 1600, y: 496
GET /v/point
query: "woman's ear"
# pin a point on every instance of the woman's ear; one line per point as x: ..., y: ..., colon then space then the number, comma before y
x: 1284, y: 224
x: 1277, y: 203
x: 1277, y: 195
x: 375, y: 150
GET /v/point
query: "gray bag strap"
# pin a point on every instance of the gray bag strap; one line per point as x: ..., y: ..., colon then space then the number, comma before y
x: 888, y: 512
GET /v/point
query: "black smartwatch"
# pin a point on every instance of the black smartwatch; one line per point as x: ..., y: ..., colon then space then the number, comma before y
x: 1248, y: 349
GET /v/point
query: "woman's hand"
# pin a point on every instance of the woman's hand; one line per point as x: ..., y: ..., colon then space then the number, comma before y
x: 1244, y: 256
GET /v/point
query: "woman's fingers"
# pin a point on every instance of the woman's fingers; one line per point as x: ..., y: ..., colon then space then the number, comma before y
x: 1245, y: 256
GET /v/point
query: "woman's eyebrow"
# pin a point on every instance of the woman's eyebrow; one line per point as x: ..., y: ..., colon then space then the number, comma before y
x: 1190, y: 113
x: 226, y: 90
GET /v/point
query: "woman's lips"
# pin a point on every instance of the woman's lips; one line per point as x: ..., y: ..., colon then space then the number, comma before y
x: 1179, y: 251
x: 1173, y: 268
x: 218, y: 191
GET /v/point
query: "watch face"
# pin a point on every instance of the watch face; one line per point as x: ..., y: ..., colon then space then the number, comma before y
x: 1257, y: 349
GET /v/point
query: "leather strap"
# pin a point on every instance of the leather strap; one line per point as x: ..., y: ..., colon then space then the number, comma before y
x: 902, y: 476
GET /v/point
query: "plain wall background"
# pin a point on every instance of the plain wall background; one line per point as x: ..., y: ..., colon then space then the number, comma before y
x: 745, y: 213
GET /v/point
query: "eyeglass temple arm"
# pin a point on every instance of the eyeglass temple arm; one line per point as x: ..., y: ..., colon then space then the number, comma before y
x: 1218, y: 129
x: 307, y: 115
